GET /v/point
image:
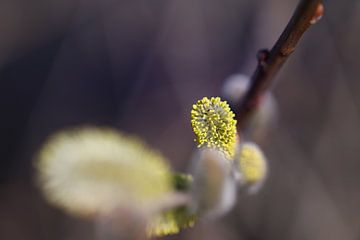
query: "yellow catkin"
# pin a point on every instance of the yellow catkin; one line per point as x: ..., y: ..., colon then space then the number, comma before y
x: 214, y: 125
x: 252, y: 163
x: 171, y: 222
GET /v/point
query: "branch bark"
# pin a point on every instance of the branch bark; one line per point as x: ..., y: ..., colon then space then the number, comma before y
x: 269, y: 63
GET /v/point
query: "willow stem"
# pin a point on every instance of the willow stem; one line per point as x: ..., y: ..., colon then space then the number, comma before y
x: 270, y: 62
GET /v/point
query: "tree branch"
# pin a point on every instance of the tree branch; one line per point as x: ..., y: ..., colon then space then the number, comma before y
x: 269, y: 63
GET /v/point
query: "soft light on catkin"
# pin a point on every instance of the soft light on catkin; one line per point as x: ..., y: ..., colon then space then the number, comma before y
x: 214, y: 188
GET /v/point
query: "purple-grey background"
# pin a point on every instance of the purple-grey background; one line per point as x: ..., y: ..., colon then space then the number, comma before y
x: 139, y: 65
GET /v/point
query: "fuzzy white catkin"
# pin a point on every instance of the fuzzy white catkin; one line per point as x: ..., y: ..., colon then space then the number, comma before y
x: 235, y: 86
x: 214, y: 188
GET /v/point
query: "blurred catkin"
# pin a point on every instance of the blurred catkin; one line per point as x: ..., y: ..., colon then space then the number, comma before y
x: 90, y: 171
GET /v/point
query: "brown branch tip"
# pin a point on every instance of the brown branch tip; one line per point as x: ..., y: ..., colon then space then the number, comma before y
x: 307, y: 13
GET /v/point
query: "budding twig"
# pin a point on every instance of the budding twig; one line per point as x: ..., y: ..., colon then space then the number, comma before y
x: 270, y: 62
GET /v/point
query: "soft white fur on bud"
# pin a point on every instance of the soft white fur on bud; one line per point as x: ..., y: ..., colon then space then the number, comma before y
x: 234, y: 89
x: 214, y: 187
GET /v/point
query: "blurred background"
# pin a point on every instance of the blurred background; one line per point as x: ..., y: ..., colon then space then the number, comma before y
x: 139, y: 65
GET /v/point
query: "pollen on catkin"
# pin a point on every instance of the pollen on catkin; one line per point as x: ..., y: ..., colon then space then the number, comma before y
x: 252, y: 163
x: 174, y: 220
x: 90, y: 171
x: 171, y: 222
x: 214, y: 125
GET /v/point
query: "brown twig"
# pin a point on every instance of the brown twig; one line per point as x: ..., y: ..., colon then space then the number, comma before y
x: 269, y: 63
